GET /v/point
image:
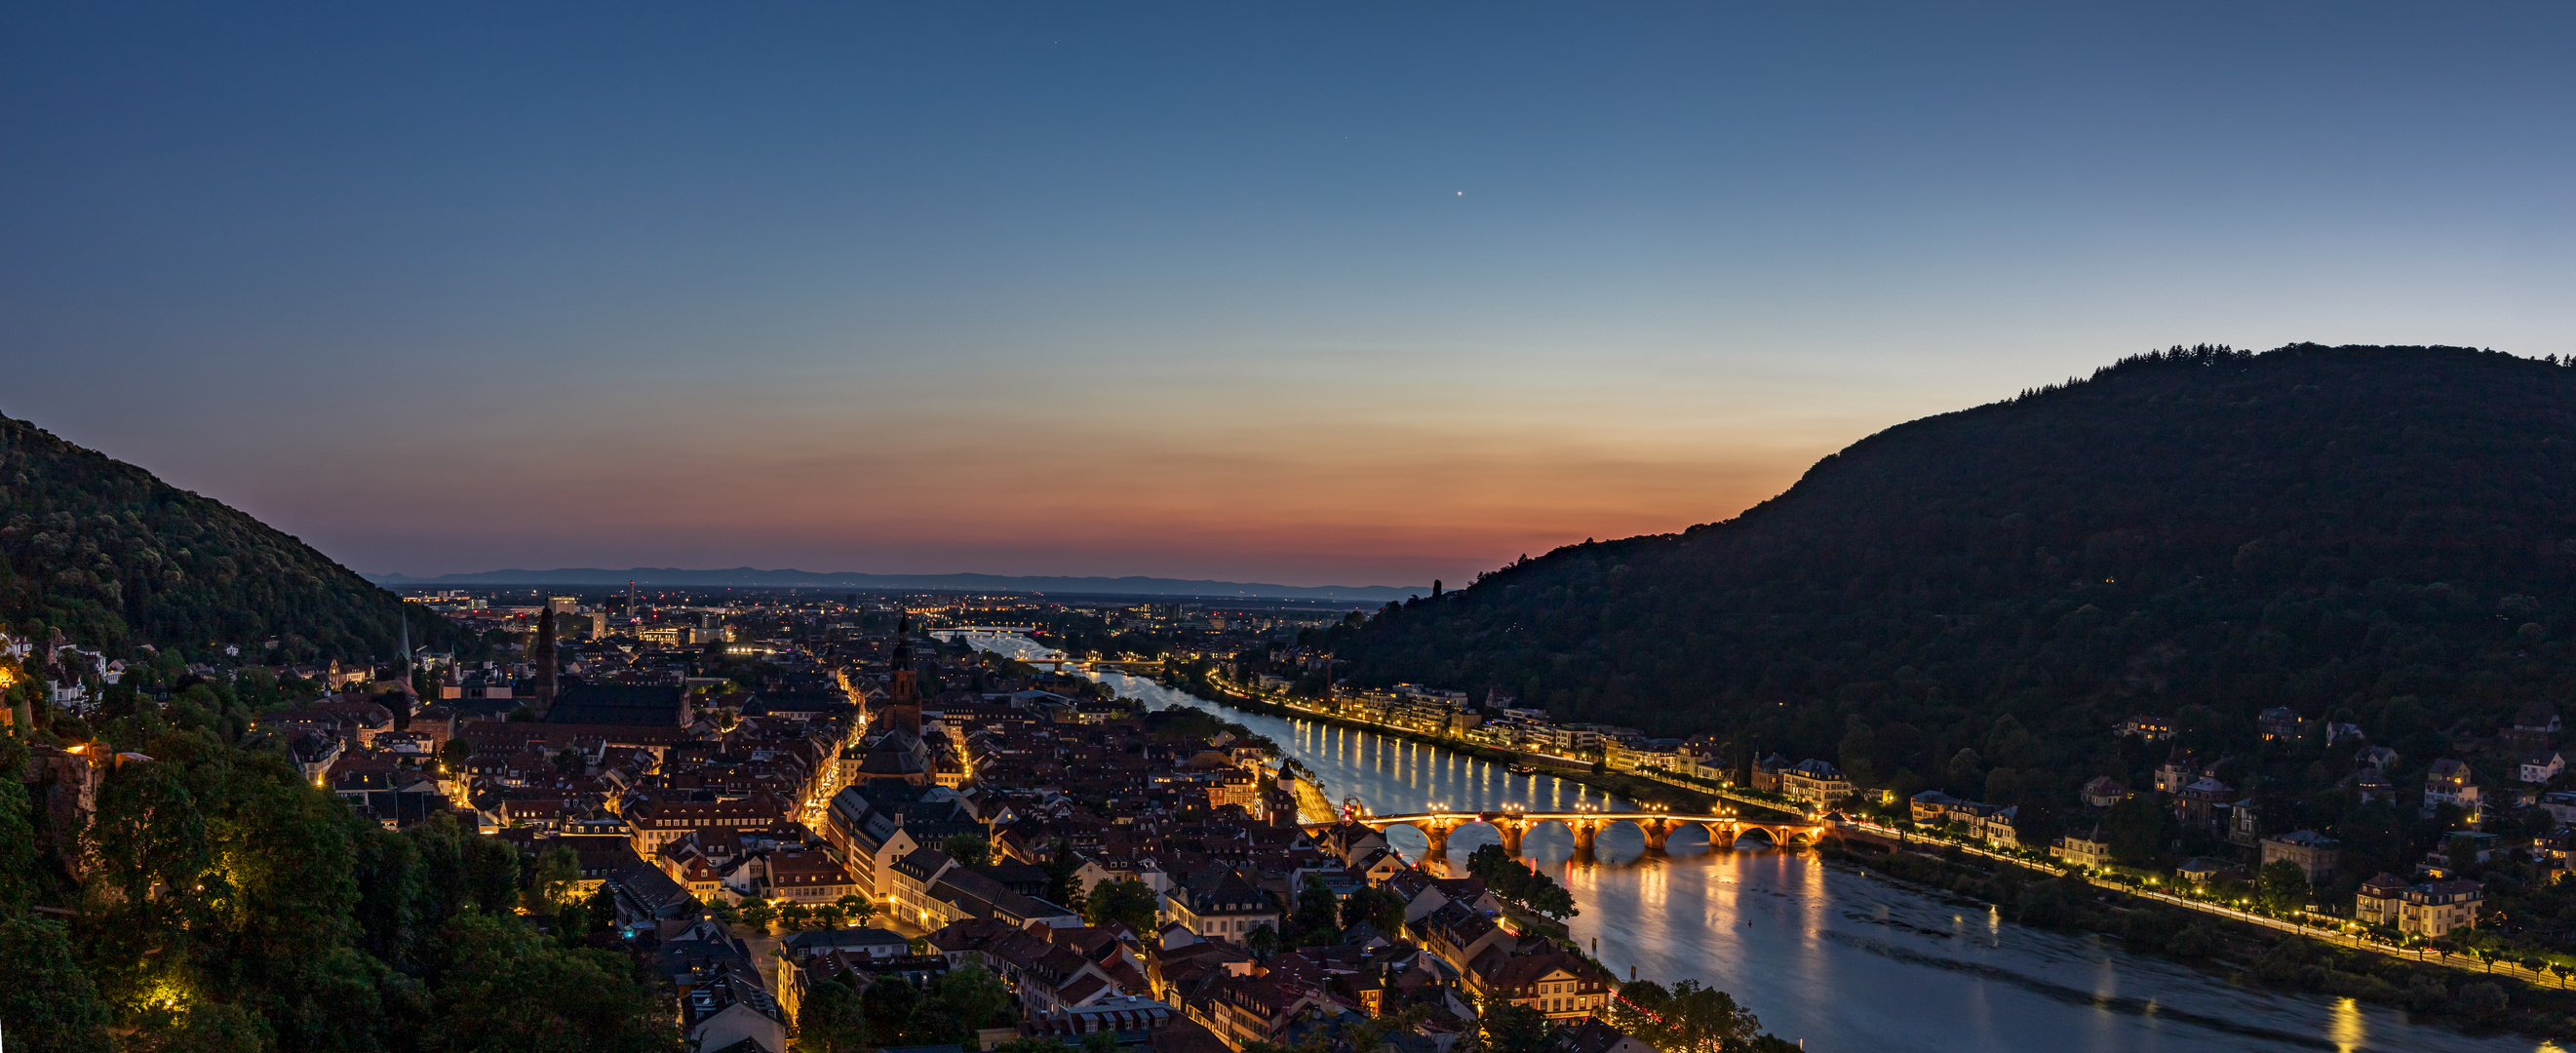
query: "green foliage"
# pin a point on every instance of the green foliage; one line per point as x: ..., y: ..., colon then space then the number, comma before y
x: 1316, y: 921
x: 234, y: 906
x: 1686, y: 1018
x: 2194, y: 941
x: 216, y: 1027
x: 757, y: 914
x: 1506, y: 1027
x: 2201, y: 534
x: 556, y: 871
x: 1262, y: 942
x: 1063, y: 865
x: 1526, y: 888
x: 2281, y: 887
x: 2136, y: 829
x: 973, y: 998
x: 1377, y: 906
x: 113, y: 557
x: 503, y: 990
x: 830, y: 1020
x: 969, y: 850
x: 1126, y: 901
x: 18, y: 876
x: 48, y: 1001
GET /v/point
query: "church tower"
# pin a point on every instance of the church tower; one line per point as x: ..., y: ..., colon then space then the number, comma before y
x: 545, y: 662
x: 903, y: 693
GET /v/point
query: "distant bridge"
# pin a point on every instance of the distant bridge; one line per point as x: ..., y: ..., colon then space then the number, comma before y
x: 1656, y: 824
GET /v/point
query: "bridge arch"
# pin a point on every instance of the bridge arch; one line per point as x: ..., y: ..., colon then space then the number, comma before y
x: 1655, y: 827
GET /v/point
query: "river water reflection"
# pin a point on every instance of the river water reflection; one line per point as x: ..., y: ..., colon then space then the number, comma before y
x: 1836, y: 956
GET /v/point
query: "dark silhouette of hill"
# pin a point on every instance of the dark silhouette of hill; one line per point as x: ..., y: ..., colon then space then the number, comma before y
x: 113, y: 556
x: 2381, y: 535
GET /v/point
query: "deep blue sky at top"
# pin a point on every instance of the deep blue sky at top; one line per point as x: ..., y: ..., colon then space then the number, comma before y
x: 1309, y: 292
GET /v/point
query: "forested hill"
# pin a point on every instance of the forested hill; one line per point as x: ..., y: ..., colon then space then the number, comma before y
x: 114, y: 557
x: 2386, y: 535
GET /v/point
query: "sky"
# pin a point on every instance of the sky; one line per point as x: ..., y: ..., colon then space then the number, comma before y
x: 1320, y: 293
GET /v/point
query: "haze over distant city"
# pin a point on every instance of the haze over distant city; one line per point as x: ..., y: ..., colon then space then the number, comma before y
x: 1340, y: 294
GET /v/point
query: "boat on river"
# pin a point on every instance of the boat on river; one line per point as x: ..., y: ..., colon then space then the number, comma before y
x: 1523, y: 768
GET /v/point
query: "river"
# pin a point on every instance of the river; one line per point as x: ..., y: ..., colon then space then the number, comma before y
x: 1833, y: 955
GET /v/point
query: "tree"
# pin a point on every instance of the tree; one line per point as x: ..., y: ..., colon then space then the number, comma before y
x: 1316, y: 910
x: 757, y: 913
x: 974, y: 998
x: 1686, y: 1018
x: 1262, y: 941
x: 556, y: 871
x: 1064, y: 881
x: 969, y: 850
x: 505, y: 991
x: 1125, y: 901
x: 856, y: 909
x: 889, y: 1011
x: 793, y: 916
x: 2281, y: 887
x: 1378, y: 907
x: 1510, y: 1027
x: 1507, y: 878
x: 2136, y: 829
x: 219, y: 1027
x: 831, y: 1019
x: 17, y: 828
x: 49, y: 1002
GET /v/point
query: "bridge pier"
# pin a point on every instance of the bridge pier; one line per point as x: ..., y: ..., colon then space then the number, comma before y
x: 1512, y: 827
x: 1438, y: 834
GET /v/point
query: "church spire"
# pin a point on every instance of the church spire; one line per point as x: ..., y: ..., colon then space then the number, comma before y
x: 903, y: 694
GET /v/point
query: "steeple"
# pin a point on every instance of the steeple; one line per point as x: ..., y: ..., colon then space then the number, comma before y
x: 545, y: 661
x: 903, y: 693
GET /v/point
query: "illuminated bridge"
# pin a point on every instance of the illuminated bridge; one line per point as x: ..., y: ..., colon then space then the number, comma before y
x: 1657, y: 824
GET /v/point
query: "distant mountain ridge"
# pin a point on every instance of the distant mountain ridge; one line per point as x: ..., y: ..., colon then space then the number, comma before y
x: 750, y: 577
x: 113, y: 557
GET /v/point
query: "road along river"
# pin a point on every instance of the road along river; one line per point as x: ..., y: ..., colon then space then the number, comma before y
x: 1836, y: 956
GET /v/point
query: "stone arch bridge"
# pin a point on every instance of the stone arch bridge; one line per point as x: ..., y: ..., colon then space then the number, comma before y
x: 1657, y: 826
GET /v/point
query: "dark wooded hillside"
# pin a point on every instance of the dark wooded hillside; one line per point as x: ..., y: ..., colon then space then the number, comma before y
x: 113, y: 556
x: 2382, y: 535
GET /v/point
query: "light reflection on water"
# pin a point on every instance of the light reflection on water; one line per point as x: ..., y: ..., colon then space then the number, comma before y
x: 1834, y: 956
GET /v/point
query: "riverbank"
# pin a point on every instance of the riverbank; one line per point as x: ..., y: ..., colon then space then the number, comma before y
x: 1836, y: 954
x: 2241, y: 952
x: 1632, y: 787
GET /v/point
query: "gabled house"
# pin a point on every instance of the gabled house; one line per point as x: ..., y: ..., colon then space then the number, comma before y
x: 2104, y: 791
x: 2451, y: 782
x: 1216, y: 903
x: 1566, y: 987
